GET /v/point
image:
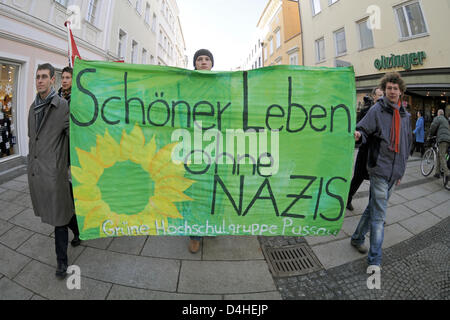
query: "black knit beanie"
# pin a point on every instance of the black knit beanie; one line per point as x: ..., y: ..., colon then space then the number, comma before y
x: 203, y: 52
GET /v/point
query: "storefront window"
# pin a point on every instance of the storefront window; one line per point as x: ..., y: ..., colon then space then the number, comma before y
x: 8, y: 111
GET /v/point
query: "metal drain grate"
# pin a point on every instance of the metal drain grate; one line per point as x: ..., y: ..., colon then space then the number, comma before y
x: 291, y: 261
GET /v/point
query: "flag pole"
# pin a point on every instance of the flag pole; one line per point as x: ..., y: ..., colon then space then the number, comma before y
x: 67, y: 25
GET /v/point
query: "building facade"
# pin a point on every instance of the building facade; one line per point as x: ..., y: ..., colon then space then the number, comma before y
x: 282, y: 33
x: 32, y: 32
x: 393, y: 35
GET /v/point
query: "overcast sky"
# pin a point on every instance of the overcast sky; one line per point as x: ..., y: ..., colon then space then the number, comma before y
x: 225, y: 27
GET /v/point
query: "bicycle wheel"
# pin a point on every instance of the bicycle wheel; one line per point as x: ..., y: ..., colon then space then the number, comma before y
x: 428, y: 162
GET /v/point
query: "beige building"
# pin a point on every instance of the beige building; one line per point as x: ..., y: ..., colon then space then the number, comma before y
x: 281, y: 31
x: 376, y: 37
x: 32, y: 32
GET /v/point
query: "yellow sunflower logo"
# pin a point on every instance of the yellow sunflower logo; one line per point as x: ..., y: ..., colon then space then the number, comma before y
x: 128, y: 183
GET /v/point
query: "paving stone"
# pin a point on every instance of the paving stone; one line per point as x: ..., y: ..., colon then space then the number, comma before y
x: 398, y: 213
x: 24, y: 200
x: 22, y: 178
x: 37, y: 297
x: 9, y: 209
x: 312, y: 241
x: 9, y: 290
x: 336, y: 253
x: 350, y: 224
x: 28, y: 220
x: 2, y: 190
x: 170, y: 248
x: 433, y: 186
x: 11, y: 262
x: 41, y: 279
x: 101, y: 243
x: 10, y: 195
x: 232, y: 248
x: 225, y: 277
x: 126, y: 293
x: 396, y: 199
x: 395, y: 234
x: 439, y: 196
x: 15, y: 237
x: 420, y: 222
x: 442, y: 211
x: 420, y: 205
x: 413, y: 192
x: 272, y: 295
x: 130, y: 245
x: 15, y: 185
x: 130, y: 270
x: 5, y: 226
x: 42, y: 248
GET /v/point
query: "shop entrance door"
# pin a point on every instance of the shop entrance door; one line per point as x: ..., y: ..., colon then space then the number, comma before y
x: 8, y: 109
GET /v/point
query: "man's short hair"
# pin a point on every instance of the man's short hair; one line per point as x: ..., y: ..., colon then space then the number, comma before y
x: 68, y: 70
x: 440, y: 112
x: 47, y: 66
x: 393, y: 77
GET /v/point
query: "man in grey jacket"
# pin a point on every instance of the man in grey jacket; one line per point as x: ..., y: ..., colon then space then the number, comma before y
x: 48, y: 132
x: 388, y: 125
x: 440, y: 128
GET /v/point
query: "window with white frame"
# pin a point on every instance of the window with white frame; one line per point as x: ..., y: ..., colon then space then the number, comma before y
x: 64, y: 3
x: 152, y: 59
x: 121, y: 52
x: 278, y: 37
x: 138, y: 6
x: 339, y: 40
x: 134, y: 51
x: 365, y: 35
x: 147, y: 14
x: 315, y: 7
x: 320, y: 50
x: 330, y: 2
x: 293, y: 59
x: 265, y: 53
x: 271, y: 46
x: 92, y: 11
x: 154, y: 23
x: 144, y: 56
x: 411, y: 20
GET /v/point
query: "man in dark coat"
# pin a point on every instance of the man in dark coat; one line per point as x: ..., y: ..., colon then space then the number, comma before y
x: 360, y: 173
x: 441, y: 129
x: 48, y: 132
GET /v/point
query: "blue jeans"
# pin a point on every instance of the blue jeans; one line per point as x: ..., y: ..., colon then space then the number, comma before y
x: 373, y: 218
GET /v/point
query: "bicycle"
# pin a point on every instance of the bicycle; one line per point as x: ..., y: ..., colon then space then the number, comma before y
x: 429, y: 159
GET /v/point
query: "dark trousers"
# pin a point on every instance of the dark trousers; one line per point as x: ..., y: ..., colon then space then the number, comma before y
x: 418, y: 146
x: 62, y: 239
x: 360, y: 173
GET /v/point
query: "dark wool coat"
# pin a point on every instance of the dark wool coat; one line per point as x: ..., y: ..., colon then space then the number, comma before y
x: 48, y: 164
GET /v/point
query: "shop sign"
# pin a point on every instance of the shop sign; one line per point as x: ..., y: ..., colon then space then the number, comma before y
x: 399, y: 61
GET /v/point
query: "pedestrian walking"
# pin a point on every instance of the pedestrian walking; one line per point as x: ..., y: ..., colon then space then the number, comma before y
x: 203, y: 60
x: 387, y: 127
x: 48, y: 132
x: 440, y: 128
x: 419, y: 134
x: 360, y: 173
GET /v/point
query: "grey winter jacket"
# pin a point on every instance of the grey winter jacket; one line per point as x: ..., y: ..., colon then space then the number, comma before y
x: 440, y: 129
x: 377, y: 125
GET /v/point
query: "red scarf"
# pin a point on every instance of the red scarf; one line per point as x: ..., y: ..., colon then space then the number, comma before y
x: 395, y: 128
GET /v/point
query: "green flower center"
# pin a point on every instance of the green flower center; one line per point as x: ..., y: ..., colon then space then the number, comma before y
x: 126, y: 188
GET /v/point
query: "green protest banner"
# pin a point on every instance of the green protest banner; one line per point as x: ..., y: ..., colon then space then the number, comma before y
x: 167, y: 151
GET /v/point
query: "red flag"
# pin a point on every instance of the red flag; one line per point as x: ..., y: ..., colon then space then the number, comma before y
x: 73, y: 50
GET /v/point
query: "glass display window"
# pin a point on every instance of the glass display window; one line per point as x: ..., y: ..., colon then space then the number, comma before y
x: 8, y: 109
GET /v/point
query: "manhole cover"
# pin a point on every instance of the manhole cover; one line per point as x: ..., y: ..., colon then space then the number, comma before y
x: 291, y: 261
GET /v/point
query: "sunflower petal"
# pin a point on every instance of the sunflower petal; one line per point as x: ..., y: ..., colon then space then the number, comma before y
x: 177, y: 182
x: 83, y: 176
x: 172, y: 194
x: 162, y: 158
x: 87, y: 193
x: 96, y: 217
x: 165, y: 207
x: 108, y: 150
x: 89, y: 162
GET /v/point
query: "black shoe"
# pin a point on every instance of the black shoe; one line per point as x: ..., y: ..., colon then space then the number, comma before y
x: 350, y: 207
x: 61, y: 270
x: 76, y: 241
x: 437, y: 176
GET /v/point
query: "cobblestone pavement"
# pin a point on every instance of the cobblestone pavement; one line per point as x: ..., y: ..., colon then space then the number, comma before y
x: 418, y: 268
